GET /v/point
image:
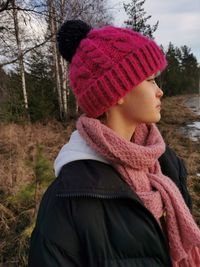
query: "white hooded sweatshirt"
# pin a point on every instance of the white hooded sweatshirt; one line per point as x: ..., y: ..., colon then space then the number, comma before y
x: 75, y: 149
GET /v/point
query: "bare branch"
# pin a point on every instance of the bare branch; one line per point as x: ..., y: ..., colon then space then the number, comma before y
x: 28, y: 10
x: 25, y: 52
x: 4, y: 5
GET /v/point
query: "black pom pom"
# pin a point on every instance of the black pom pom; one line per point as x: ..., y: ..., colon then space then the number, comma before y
x: 69, y: 37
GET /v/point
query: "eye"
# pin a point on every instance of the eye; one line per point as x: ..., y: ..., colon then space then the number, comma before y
x: 152, y: 80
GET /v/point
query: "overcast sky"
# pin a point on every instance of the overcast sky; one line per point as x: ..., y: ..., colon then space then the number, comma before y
x: 179, y: 21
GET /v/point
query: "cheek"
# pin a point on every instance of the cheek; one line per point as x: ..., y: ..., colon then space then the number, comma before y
x: 133, y: 110
x: 138, y: 105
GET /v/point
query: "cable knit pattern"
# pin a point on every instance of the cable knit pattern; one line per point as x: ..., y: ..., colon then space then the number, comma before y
x: 109, y: 63
x: 137, y: 162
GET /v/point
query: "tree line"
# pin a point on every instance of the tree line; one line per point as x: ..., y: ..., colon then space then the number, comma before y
x: 183, y: 72
x: 34, y: 82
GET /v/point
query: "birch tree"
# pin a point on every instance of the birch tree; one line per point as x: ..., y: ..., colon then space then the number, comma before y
x: 53, y: 30
x: 56, y: 17
x: 17, y: 40
x: 20, y: 54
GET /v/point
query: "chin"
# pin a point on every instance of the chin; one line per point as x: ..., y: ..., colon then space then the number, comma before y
x: 158, y: 119
x: 154, y: 120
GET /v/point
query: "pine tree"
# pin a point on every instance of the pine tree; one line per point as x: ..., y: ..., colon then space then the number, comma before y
x: 189, y: 70
x: 42, y: 96
x: 182, y: 73
x: 172, y: 75
x: 137, y: 18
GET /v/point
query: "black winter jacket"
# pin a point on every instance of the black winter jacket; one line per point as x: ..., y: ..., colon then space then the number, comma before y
x: 89, y: 217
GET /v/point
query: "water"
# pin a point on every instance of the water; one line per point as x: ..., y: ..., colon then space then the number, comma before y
x: 194, y: 104
x: 192, y: 130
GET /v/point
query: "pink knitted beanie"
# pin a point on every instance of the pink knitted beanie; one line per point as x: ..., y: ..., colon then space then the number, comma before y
x: 106, y: 63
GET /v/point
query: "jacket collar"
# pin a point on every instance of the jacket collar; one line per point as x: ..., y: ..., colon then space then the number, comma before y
x: 92, y: 178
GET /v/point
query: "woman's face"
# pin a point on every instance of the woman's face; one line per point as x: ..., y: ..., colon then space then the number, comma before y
x: 143, y: 103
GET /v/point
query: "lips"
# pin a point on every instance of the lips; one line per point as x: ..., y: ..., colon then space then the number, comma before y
x: 158, y: 106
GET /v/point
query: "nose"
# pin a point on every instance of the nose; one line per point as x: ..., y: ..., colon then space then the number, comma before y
x: 159, y: 92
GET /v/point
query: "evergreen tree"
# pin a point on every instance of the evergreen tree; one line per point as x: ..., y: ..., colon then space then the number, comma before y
x: 11, y: 98
x: 189, y: 70
x: 137, y: 18
x: 182, y: 73
x: 42, y: 96
x: 171, y: 76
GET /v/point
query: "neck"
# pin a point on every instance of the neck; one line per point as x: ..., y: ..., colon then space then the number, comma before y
x: 120, y: 126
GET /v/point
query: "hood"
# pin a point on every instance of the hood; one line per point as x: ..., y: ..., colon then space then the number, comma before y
x: 75, y: 149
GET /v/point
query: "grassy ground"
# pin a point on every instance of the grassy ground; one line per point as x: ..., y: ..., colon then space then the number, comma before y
x: 26, y: 167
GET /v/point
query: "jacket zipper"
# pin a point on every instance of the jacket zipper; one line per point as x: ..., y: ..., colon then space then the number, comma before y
x: 93, y: 195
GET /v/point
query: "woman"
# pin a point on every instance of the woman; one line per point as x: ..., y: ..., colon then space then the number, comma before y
x: 120, y: 198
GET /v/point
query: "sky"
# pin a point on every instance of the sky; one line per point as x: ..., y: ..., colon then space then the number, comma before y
x: 179, y: 21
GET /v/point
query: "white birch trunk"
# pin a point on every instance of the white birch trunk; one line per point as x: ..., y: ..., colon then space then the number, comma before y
x: 20, y: 55
x: 64, y: 86
x: 64, y: 69
x: 53, y: 29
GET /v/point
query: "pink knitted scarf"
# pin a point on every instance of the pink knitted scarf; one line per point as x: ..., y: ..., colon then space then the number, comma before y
x: 137, y: 162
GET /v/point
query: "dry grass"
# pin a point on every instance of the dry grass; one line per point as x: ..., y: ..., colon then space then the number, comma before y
x: 18, y: 156
x: 18, y: 145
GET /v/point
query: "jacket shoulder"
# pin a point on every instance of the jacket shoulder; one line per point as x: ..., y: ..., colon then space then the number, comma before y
x: 91, y: 176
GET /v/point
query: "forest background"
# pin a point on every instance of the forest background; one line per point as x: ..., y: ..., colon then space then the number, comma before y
x: 38, y: 109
